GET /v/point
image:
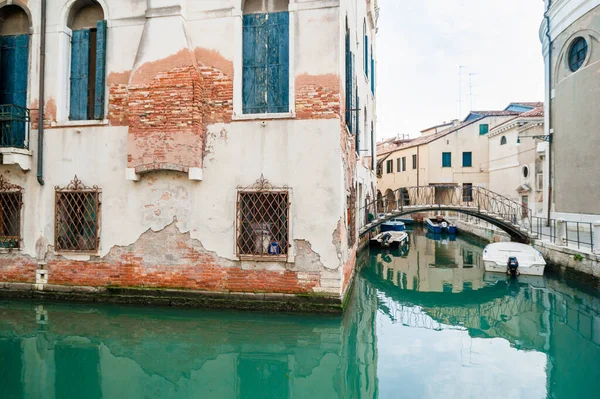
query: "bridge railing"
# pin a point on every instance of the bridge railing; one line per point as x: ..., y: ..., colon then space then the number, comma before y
x: 474, y: 199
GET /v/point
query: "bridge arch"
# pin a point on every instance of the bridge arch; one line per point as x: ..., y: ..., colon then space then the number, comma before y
x: 502, y: 212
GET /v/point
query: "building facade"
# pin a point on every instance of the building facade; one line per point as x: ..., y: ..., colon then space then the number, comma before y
x: 570, y: 34
x: 220, y: 146
x: 516, y: 165
x: 456, y: 156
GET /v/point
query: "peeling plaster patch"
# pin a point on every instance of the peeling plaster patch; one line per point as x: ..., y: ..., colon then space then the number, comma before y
x: 118, y: 78
x: 147, y: 72
x: 214, y: 59
x: 337, y: 238
x: 305, y: 256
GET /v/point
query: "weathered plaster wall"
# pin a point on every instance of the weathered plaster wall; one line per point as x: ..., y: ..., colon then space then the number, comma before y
x: 171, y: 101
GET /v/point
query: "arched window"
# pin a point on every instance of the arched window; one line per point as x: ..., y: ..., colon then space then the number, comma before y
x: 14, y: 68
x: 266, y: 54
x: 577, y: 53
x: 503, y: 140
x: 88, y: 60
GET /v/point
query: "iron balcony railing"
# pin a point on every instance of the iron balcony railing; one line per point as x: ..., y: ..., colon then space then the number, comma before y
x: 14, y: 126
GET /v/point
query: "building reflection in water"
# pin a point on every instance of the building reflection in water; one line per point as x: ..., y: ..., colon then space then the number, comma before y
x: 60, y: 351
x: 410, y: 312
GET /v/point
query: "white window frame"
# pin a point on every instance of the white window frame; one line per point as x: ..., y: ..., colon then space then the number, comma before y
x: 63, y: 77
x: 238, y: 67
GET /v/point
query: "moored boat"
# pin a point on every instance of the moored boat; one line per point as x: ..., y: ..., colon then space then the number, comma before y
x: 389, y: 239
x: 394, y: 224
x: 438, y: 225
x: 513, y: 258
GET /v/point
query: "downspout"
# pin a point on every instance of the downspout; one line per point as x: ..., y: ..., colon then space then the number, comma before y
x: 40, y: 150
x: 549, y: 108
x: 418, y: 166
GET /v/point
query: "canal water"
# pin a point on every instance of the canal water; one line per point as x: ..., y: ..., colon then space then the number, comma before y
x: 423, y: 322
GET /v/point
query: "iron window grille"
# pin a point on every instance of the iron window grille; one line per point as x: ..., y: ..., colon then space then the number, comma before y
x: 467, y: 192
x: 262, y: 223
x: 11, y: 202
x: 77, y: 213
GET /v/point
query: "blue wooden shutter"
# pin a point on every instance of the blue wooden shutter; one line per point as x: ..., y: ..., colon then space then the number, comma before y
x: 100, y: 84
x: 353, y: 94
x: 372, y: 74
x: 80, y: 63
x: 367, y: 55
x: 348, y: 83
x: 255, y: 64
x: 278, y: 68
x: 14, y: 61
x: 357, y: 114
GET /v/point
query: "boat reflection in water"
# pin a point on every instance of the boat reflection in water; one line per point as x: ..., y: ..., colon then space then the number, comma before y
x: 461, y: 332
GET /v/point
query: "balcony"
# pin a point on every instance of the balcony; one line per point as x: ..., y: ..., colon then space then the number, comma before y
x: 15, y: 126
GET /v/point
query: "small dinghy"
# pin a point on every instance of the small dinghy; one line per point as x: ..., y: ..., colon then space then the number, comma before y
x: 514, y: 259
x: 438, y: 225
x: 389, y: 239
x: 393, y: 225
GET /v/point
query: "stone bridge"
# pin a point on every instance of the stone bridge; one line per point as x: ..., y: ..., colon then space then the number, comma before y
x: 505, y: 213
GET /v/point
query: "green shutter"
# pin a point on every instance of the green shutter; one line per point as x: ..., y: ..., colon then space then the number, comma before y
x: 254, y: 64
x: 278, y: 69
x: 100, y: 83
x: 348, y: 83
x: 484, y: 128
x: 80, y: 61
x: 467, y: 159
x: 446, y: 159
x: 367, y: 56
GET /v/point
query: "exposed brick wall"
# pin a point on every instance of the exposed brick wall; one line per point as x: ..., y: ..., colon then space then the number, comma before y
x: 49, y: 113
x: 17, y: 269
x: 347, y: 271
x: 169, y: 104
x: 317, y: 96
x: 164, y: 259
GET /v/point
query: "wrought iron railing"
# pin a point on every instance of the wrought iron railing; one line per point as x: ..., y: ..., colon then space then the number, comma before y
x: 477, y: 200
x: 14, y: 126
x: 573, y: 234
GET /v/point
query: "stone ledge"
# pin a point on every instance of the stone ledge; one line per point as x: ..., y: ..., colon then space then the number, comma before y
x: 178, y: 298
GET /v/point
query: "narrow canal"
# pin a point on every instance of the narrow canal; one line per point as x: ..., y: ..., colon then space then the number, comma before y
x: 422, y: 322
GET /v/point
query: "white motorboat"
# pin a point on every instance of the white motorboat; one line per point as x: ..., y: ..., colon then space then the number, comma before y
x: 513, y: 258
x: 388, y: 239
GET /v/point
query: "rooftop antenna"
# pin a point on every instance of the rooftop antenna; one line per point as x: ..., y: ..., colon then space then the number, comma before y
x: 460, y: 75
x: 471, y: 90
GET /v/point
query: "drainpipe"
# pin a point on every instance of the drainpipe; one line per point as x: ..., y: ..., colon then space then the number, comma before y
x: 418, y: 165
x: 549, y: 108
x: 40, y: 151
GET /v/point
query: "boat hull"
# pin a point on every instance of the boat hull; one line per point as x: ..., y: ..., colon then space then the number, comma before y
x: 395, y: 240
x: 533, y: 270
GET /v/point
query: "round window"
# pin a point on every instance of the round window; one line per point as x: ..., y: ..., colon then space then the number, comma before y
x: 525, y: 171
x: 577, y: 53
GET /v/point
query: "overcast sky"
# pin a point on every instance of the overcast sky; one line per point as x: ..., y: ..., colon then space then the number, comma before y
x: 422, y: 43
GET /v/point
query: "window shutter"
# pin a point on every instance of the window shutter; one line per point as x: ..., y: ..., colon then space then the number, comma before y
x: 80, y: 60
x: 278, y: 69
x: 367, y: 56
x: 21, y: 68
x: 255, y: 64
x: 354, y: 95
x: 348, y: 83
x: 100, y: 70
x: 372, y: 75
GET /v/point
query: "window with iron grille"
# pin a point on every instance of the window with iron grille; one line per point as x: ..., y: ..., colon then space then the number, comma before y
x: 414, y: 161
x: 11, y: 202
x: 263, y: 214
x: 77, y: 224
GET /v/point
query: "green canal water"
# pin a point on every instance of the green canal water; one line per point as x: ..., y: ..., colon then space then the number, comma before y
x: 426, y: 322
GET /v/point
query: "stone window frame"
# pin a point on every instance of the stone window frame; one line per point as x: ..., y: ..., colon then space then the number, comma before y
x: 263, y: 186
x: 63, y: 71
x: 570, y: 53
x: 238, y: 67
